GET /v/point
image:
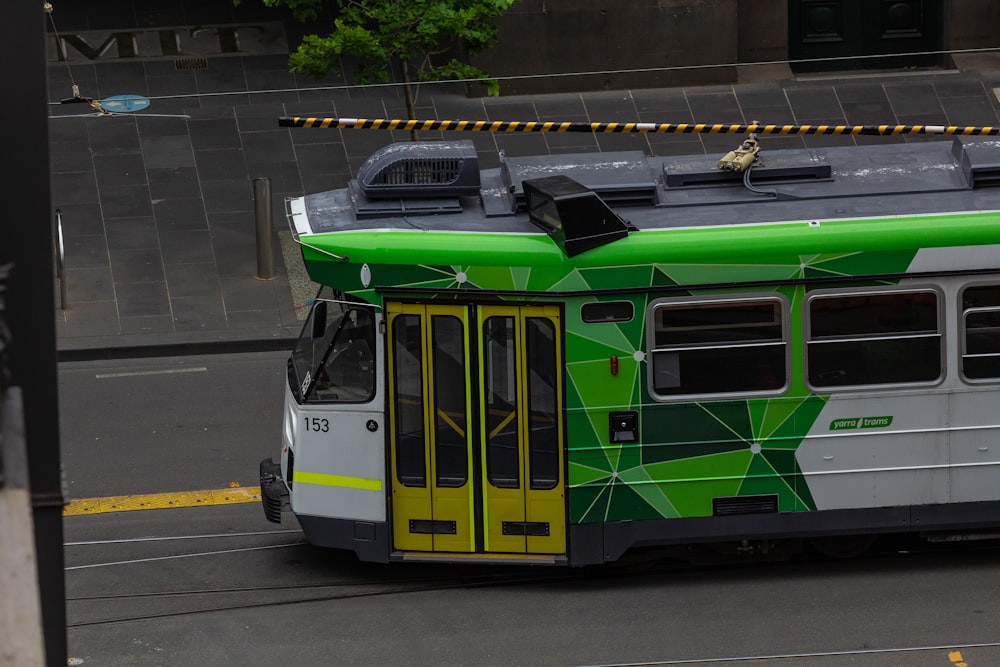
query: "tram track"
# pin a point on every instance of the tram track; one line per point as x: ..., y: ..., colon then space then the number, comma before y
x: 786, y: 658
x: 354, y: 582
x: 99, y: 608
x: 335, y: 584
x: 370, y: 588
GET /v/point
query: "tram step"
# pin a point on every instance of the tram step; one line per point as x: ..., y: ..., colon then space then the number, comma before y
x: 491, y: 558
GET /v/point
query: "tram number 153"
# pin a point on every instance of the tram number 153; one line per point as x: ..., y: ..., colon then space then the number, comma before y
x: 319, y: 424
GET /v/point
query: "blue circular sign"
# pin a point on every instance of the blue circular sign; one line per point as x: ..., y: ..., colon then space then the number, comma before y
x: 125, y: 103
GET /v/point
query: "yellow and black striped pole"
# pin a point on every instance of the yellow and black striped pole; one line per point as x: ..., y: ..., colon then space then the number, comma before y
x: 624, y: 128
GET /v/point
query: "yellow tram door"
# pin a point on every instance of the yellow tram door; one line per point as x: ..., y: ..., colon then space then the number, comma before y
x: 521, y: 429
x: 430, y: 417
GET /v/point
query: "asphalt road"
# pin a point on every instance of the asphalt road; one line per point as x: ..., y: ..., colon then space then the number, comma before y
x: 169, y: 424
x: 271, y: 601
x: 220, y: 585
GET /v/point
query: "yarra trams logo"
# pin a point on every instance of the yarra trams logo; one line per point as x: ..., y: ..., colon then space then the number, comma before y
x: 849, y: 423
x: 96, y: 46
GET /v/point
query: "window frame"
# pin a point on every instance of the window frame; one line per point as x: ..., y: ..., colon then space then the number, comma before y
x: 963, y: 331
x: 807, y: 336
x: 735, y: 299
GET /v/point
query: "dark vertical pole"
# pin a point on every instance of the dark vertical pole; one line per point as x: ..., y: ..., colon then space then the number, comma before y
x: 265, y: 228
x: 26, y: 240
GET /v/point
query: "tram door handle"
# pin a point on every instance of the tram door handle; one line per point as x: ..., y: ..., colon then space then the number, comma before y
x: 623, y: 426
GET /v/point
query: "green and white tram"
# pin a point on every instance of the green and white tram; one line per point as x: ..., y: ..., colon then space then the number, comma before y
x: 567, y: 357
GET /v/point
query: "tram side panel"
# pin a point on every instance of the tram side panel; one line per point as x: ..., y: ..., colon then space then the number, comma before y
x: 927, y: 448
x: 682, y: 467
x: 907, y: 452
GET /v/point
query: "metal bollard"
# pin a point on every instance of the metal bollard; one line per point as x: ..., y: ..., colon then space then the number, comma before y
x: 265, y: 228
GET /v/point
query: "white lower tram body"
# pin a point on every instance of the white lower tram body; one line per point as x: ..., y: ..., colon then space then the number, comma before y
x: 332, y: 471
x: 335, y: 454
x: 940, y: 447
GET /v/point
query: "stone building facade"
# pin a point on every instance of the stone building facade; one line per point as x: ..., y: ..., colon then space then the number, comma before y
x: 614, y: 44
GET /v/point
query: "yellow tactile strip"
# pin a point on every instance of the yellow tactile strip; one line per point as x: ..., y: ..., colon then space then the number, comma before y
x: 159, y: 501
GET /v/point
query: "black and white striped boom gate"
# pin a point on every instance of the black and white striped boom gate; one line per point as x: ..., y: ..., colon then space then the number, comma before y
x: 624, y: 128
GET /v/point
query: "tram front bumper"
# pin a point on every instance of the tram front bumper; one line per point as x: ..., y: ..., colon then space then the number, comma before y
x: 273, y: 494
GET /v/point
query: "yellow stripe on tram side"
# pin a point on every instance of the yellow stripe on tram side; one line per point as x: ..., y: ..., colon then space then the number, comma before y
x: 159, y: 501
x: 323, y: 479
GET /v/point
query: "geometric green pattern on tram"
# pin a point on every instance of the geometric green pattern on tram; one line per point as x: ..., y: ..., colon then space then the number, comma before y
x: 596, y: 386
x: 661, y: 279
x: 794, y: 495
x: 693, y: 274
x: 613, y: 277
x: 695, y: 481
x: 520, y: 275
x: 543, y: 278
x: 692, y: 452
x: 788, y: 433
x: 857, y: 263
x: 694, y: 429
x: 423, y: 276
x: 641, y: 482
x: 762, y: 478
x: 497, y: 277
x: 606, y: 500
x: 573, y: 399
x: 598, y: 344
x: 570, y: 282
x: 615, y: 339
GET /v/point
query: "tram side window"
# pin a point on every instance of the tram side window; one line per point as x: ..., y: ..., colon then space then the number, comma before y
x: 981, y: 332
x: 717, y: 347
x: 873, y: 338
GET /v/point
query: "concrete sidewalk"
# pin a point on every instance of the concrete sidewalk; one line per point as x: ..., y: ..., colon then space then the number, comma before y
x: 157, y: 207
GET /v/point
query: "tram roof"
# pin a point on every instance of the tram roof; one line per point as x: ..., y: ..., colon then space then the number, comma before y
x: 667, y: 192
x: 403, y: 210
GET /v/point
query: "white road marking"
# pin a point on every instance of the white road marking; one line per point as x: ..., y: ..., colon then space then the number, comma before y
x: 165, y: 371
x: 298, y: 543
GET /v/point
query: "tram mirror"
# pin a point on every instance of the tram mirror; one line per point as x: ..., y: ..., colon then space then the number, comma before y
x: 319, y: 320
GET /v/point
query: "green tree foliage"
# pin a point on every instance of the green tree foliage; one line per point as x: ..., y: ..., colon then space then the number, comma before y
x: 409, y: 35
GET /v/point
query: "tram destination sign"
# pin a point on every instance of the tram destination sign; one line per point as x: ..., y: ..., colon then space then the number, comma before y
x: 230, y: 39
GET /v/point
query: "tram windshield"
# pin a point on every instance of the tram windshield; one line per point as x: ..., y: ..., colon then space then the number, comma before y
x: 334, y: 357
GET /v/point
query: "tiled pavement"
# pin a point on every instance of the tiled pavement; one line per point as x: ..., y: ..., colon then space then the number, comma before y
x: 157, y: 211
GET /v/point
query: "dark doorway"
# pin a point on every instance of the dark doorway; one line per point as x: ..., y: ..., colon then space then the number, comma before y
x: 864, y: 34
